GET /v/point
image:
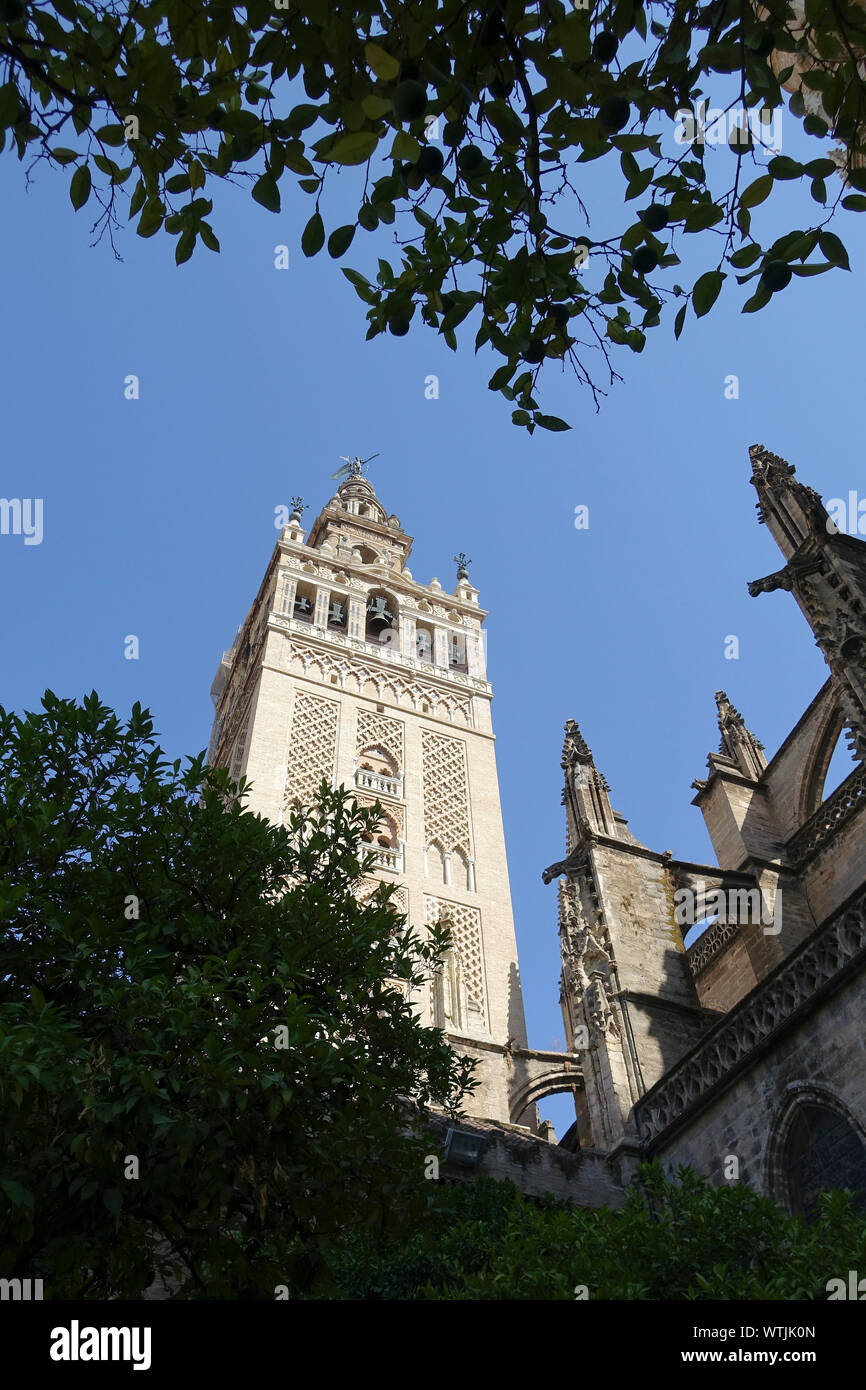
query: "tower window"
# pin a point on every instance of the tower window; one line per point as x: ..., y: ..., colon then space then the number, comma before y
x: 381, y: 624
x: 457, y: 652
x: 305, y: 603
x: 423, y: 642
x: 337, y: 614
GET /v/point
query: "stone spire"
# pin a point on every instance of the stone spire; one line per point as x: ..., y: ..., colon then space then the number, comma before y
x: 738, y: 742
x: 791, y: 510
x: 585, y: 795
x: 825, y: 570
x: 576, y: 752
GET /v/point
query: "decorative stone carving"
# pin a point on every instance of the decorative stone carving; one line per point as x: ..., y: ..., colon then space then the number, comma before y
x: 709, y: 944
x: 766, y: 1009
x: 312, y: 745
x: 465, y: 925
x: 586, y: 963
x: 830, y: 816
x: 446, y: 797
x: 401, y: 689
x: 377, y: 730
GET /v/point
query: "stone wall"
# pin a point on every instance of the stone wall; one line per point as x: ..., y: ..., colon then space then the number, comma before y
x: 799, y: 1031
x: 534, y: 1165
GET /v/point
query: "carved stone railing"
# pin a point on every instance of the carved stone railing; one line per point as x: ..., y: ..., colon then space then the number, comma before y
x: 763, y: 1012
x: 388, y: 858
x: 709, y: 944
x: 378, y: 782
x: 382, y: 651
x: 829, y: 817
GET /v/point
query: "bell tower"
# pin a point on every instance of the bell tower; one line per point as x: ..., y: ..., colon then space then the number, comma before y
x: 347, y: 668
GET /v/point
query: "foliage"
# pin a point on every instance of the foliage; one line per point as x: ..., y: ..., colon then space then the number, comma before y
x: 672, y: 1240
x: 158, y: 100
x: 185, y: 984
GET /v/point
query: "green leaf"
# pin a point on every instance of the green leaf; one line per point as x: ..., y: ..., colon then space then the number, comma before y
x: 382, y: 63
x: 375, y: 107
x: 79, y: 188
x: 759, y: 299
x: 500, y: 377
x: 756, y: 192
x: 639, y: 184
x: 266, y: 192
x: 703, y: 215
x: 855, y: 202
x: 63, y: 156
x: 340, y: 240
x: 111, y: 135
x: 18, y: 1195
x: 706, y: 291
x: 551, y: 422
x: 10, y: 105
x: 746, y: 256
x: 784, y: 168
x: 136, y: 202
x: 185, y: 247
x: 680, y: 320
x: 833, y: 249
x: 151, y: 217
x: 363, y: 287
x: 813, y: 269
x: 405, y: 146
x: 354, y: 148
x: 820, y: 168
x: 313, y: 237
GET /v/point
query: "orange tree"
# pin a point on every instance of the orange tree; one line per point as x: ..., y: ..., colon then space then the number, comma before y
x: 206, y: 1070
x: 468, y: 128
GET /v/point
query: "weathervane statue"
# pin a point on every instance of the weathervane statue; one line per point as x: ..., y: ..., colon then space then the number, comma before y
x: 354, y: 467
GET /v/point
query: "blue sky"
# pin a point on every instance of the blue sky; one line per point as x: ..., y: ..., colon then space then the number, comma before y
x: 158, y: 513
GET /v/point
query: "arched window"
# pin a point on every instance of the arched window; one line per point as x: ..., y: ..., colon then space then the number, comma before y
x: 457, y: 651
x: 338, y: 613
x: 816, y: 1148
x: 381, y: 626
x: 385, y: 841
x: 437, y: 863
x: 377, y: 771
x: 305, y: 602
x: 423, y: 642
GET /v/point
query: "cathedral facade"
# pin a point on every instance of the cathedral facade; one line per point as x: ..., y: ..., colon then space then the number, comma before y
x: 740, y: 1051
x: 713, y: 1013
